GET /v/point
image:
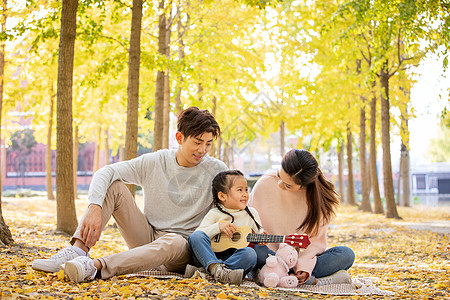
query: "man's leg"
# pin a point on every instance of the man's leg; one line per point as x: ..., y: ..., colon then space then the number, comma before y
x: 169, y: 251
x: 132, y: 223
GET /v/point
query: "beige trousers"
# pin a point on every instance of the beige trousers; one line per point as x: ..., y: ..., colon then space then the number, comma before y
x: 149, y: 248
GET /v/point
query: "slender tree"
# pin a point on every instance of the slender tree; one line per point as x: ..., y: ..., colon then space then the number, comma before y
x: 160, y: 81
x: 65, y: 204
x: 5, y: 233
x: 365, y: 192
x: 48, y: 150
x: 378, y: 206
x: 341, y: 169
x: 350, y: 182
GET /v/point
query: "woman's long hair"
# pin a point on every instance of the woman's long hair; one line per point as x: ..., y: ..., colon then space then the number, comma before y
x: 223, y: 183
x: 321, y: 195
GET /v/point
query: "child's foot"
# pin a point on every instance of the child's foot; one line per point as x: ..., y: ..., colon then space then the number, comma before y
x: 52, y: 263
x: 191, y: 270
x: 224, y: 275
x: 339, y: 277
x: 80, y: 269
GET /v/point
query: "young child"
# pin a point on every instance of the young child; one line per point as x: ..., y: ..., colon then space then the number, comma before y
x: 230, y: 194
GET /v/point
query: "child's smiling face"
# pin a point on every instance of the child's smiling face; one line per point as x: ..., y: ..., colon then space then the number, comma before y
x: 237, y: 196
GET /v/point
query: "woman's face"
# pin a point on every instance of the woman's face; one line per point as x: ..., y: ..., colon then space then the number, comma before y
x: 285, y: 181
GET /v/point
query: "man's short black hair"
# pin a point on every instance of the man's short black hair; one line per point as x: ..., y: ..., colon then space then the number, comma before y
x: 194, y: 122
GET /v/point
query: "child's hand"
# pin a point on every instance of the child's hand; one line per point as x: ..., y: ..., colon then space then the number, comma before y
x: 263, y: 244
x: 227, y: 228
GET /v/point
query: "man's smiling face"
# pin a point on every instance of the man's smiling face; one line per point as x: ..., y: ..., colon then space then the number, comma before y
x: 191, y: 150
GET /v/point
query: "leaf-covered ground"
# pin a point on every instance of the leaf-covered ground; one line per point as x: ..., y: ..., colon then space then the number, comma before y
x: 403, y: 255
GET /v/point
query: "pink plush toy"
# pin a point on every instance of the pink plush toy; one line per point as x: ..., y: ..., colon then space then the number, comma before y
x: 275, y: 271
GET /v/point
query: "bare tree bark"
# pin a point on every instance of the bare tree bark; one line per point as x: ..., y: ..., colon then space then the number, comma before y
x: 106, y: 140
x: 282, y: 144
x: 98, y: 138
x: 5, y: 233
x: 48, y: 150
x: 65, y: 204
x: 166, y: 127
x: 159, y: 93
x: 181, y: 55
x: 378, y: 206
x: 391, y: 208
x: 134, y: 61
x: 226, y: 156
x: 365, y: 193
x: 75, y: 162
x: 212, y: 152
x: 404, y: 173
x: 341, y: 170
x: 350, y: 181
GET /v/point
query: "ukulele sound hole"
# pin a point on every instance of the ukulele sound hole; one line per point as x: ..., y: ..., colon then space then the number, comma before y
x: 236, y: 236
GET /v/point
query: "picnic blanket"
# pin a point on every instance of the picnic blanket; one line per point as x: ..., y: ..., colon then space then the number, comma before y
x: 359, y: 286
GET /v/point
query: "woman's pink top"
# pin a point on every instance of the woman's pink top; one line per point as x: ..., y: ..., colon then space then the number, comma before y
x: 282, y: 212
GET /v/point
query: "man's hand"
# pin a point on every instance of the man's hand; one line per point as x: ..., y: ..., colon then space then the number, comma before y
x: 91, y: 226
x: 301, y: 276
x: 227, y: 228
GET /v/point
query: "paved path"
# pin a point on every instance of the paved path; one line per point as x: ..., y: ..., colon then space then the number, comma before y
x: 439, y: 226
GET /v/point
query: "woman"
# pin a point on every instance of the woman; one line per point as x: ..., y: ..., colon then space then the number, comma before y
x: 298, y: 199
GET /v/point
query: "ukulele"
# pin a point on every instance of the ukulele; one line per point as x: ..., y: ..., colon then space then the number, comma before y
x: 244, y: 236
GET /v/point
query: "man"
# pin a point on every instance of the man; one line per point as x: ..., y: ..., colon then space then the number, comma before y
x: 177, y: 194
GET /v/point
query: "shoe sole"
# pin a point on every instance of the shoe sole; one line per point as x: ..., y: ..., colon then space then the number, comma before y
x: 71, y: 270
x: 43, y: 267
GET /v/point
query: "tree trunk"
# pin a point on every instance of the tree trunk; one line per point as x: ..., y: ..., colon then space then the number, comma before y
x: 399, y: 179
x: 405, y: 162
x: 121, y: 153
x: 341, y: 170
x: 226, y: 157
x: 378, y: 206
x: 166, y: 127
x: 107, y: 156
x: 391, y: 208
x: 75, y: 162
x: 219, y: 149
x: 98, y: 137
x: 65, y: 204
x: 365, y: 193
x: 212, y: 152
x: 5, y: 233
x: 48, y: 150
x: 282, y: 146
x: 405, y: 175
x: 134, y: 61
x: 350, y: 183
x: 159, y: 93
x: 178, y: 105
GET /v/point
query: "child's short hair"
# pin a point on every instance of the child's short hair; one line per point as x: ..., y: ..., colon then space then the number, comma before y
x: 194, y: 122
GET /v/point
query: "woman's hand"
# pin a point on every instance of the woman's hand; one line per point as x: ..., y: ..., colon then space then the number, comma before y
x: 301, y: 276
x: 227, y: 228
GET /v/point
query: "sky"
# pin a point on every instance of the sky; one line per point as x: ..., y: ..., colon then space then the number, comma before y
x: 429, y: 96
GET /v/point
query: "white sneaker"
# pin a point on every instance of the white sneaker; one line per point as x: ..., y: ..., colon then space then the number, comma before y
x: 339, y: 277
x: 52, y: 264
x: 80, y: 269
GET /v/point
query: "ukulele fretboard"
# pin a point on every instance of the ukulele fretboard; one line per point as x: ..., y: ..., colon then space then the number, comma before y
x: 264, y: 238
